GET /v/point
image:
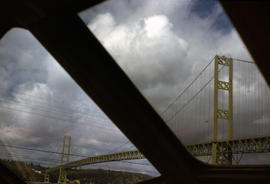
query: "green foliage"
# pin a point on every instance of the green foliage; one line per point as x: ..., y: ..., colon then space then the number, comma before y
x: 96, y: 176
x: 99, y: 176
x: 24, y: 170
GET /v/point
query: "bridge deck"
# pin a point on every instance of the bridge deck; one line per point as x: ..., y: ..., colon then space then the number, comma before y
x: 236, y: 146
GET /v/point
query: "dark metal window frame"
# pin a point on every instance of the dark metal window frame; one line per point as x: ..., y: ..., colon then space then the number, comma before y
x: 59, y: 29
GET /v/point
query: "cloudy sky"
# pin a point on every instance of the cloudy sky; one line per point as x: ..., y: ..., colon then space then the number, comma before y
x: 161, y: 46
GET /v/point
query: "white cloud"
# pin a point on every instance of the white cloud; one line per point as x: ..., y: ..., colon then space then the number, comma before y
x: 162, y: 55
x: 157, y: 25
x: 161, y: 46
x: 143, y: 48
x: 159, y: 55
x: 262, y: 120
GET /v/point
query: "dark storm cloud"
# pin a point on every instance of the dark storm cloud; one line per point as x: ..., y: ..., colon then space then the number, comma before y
x: 161, y: 73
x: 160, y: 45
x: 22, y: 61
x: 40, y: 101
x: 205, y: 8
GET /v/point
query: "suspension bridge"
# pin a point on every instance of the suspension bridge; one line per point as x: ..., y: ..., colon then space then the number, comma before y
x: 222, y: 114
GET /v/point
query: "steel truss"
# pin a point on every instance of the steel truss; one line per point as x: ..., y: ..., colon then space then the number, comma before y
x: 233, y: 146
x: 129, y: 155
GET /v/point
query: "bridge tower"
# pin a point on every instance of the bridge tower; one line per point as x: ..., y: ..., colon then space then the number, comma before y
x: 62, y: 179
x: 222, y: 155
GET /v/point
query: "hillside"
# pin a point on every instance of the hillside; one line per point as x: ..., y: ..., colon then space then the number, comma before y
x: 30, y: 172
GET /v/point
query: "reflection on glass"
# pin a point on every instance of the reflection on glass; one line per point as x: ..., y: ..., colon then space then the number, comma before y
x: 168, y: 50
x: 39, y: 105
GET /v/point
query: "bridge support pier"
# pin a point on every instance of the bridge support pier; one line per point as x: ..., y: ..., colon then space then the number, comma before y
x: 224, y: 156
x: 46, y: 178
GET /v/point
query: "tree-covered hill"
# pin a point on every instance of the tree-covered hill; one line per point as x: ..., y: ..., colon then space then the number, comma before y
x: 32, y: 172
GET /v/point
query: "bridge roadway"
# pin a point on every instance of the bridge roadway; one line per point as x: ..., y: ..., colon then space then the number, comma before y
x: 236, y: 146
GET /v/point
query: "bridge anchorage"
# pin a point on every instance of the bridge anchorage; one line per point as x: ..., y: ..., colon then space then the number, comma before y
x: 222, y: 152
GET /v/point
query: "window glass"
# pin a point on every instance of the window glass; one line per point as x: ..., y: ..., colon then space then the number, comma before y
x: 169, y: 50
x: 42, y: 109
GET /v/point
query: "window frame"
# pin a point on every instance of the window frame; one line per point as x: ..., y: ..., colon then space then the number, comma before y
x: 97, y: 73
